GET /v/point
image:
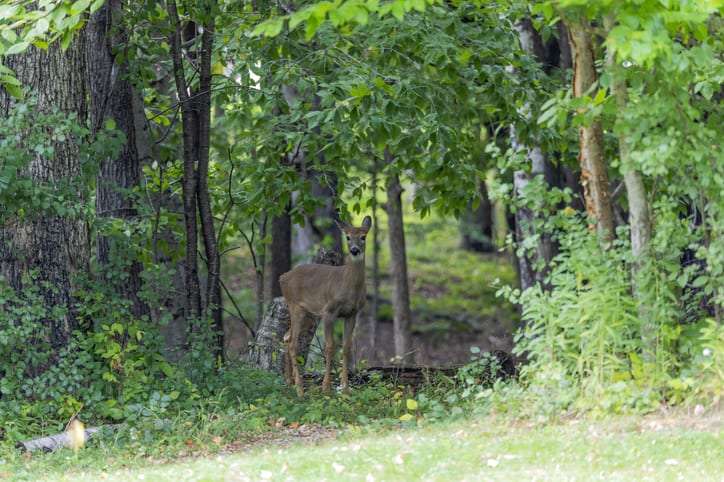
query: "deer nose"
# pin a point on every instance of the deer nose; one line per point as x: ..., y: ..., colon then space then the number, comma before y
x: 354, y: 250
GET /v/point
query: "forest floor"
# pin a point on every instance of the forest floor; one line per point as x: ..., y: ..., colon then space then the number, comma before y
x: 675, y: 446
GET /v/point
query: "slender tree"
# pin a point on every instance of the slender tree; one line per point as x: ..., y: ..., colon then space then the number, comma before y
x: 398, y: 266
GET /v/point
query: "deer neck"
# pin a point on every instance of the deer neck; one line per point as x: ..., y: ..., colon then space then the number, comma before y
x: 354, y: 272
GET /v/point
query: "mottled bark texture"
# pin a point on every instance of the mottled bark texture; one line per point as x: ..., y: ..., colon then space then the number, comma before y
x: 594, y: 177
x: 112, y: 97
x: 54, y: 247
x: 533, y: 264
x: 398, y: 268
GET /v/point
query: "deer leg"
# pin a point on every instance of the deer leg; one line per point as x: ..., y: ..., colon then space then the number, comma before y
x: 295, y: 321
x: 347, y: 351
x: 328, y: 352
x: 288, y: 376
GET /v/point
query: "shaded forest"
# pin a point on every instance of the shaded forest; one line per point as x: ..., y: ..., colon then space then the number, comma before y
x: 517, y: 205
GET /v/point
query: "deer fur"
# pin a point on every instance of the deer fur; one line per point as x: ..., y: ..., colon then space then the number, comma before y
x: 318, y: 291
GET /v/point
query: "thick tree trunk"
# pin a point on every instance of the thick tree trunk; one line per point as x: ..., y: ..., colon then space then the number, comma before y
x: 398, y: 268
x: 280, y: 251
x: 55, y: 247
x: 594, y: 176
x: 476, y: 225
x: 112, y: 97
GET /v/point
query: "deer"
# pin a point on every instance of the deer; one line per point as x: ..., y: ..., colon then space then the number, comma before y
x: 319, y: 291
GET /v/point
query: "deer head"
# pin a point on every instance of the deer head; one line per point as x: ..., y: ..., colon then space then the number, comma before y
x: 355, y: 237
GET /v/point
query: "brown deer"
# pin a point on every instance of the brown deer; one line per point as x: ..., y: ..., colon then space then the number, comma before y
x: 315, y: 291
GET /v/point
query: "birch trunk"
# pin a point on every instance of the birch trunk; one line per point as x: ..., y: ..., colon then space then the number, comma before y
x: 594, y: 177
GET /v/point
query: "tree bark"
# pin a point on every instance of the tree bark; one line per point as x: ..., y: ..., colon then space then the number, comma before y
x: 532, y: 266
x: 398, y: 267
x: 189, y: 122
x: 639, y: 218
x: 112, y: 97
x: 375, y: 305
x: 594, y: 177
x: 211, y: 248
x: 280, y: 251
x: 55, y: 247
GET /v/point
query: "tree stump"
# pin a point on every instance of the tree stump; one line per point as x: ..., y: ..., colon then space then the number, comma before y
x: 268, y: 349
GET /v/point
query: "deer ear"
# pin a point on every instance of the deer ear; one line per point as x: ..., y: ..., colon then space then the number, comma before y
x: 367, y: 223
x: 340, y: 224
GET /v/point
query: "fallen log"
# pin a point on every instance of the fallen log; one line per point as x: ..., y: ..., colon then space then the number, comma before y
x: 53, y: 442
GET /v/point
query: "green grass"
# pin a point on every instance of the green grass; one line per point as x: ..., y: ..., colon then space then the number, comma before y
x: 672, y: 448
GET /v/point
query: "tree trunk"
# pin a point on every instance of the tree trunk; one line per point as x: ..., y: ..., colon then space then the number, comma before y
x: 112, y: 97
x: 189, y: 123
x: 476, y: 225
x: 375, y: 305
x: 398, y: 267
x: 280, y: 251
x: 55, y: 247
x: 594, y: 177
x: 533, y: 265
x: 639, y: 218
x: 211, y: 248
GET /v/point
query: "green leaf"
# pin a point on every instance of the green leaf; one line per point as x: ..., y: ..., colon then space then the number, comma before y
x: 406, y: 417
x: 17, y: 48
x: 79, y: 6
x: 269, y: 28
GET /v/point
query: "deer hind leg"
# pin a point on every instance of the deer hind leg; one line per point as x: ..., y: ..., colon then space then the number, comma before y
x: 296, y: 318
x: 347, y: 351
x: 328, y: 321
x: 288, y: 374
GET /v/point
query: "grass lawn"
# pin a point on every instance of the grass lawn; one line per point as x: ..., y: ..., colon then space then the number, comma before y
x: 650, y: 448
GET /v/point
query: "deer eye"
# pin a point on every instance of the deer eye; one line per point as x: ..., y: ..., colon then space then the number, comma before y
x: 347, y: 238
x: 362, y: 237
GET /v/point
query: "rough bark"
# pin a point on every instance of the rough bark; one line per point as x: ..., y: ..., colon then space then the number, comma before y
x: 280, y: 251
x: 476, y: 225
x: 112, y: 97
x: 55, y: 247
x: 594, y: 177
x: 398, y: 268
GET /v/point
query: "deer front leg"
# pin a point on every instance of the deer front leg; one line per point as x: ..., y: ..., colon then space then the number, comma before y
x: 347, y: 351
x: 328, y: 321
